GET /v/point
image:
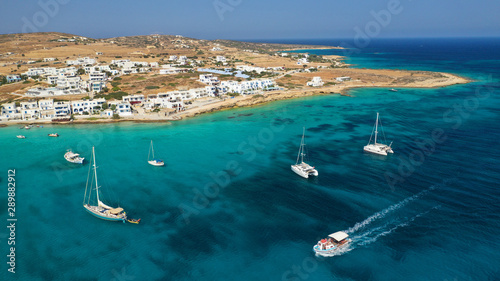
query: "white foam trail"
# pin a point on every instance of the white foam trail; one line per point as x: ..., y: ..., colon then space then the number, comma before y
x: 384, y: 212
x: 403, y: 224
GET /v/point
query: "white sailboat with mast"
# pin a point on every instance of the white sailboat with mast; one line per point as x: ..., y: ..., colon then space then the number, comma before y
x: 377, y: 148
x: 153, y: 161
x: 303, y: 169
x: 100, y: 210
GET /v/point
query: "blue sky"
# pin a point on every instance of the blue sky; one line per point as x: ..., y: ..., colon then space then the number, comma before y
x: 255, y: 19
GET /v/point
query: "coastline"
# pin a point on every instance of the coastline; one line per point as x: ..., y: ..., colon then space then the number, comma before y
x: 446, y: 79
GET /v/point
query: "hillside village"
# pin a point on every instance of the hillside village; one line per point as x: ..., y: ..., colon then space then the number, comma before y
x: 60, y: 88
x: 60, y: 77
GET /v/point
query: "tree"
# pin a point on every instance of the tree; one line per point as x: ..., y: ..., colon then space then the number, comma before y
x: 113, y: 107
x: 116, y: 116
x: 80, y: 71
x: 104, y: 106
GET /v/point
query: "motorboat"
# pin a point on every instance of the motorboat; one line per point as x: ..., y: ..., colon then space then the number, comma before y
x: 332, y: 245
x: 72, y: 157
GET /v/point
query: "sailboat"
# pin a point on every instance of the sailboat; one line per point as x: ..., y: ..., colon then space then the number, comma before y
x: 377, y: 148
x: 303, y: 169
x: 153, y: 161
x: 100, y: 210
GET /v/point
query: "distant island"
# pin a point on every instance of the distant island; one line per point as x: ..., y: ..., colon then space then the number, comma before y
x: 56, y: 77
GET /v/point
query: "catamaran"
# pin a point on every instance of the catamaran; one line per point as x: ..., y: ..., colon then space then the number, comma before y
x: 377, y: 148
x: 100, y: 210
x: 72, y: 157
x: 332, y: 245
x: 303, y: 169
x: 153, y: 161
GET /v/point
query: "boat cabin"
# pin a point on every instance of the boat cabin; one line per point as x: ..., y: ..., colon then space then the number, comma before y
x: 333, y: 241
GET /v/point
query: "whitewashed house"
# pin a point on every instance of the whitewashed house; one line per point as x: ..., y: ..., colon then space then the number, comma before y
x: 81, y: 61
x: 46, y: 104
x: 68, y: 82
x: 88, y: 106
x: 132, y: 99
x: 209, y: 79
x: 29, y: 110
x: 343, y: 78
x: 10, y: 111
x: 122, y: 108
x: 62, y: 108
x: 97, y: 76
x: 96, y: 86
x: 316, y: 82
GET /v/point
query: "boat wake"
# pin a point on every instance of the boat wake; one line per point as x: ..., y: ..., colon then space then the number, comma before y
x: 388, y: 210
x: 373, y: 235
x: 362, y: 235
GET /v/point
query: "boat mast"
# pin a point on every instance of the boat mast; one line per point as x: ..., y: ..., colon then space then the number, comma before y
x: 152, y: 149
x: 95, y: 175
x: 301, y: 148
x: 376, y: 129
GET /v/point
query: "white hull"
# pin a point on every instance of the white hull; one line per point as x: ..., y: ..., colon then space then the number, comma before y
x: 337, y: 250
x: 70, y: 157
x: 378, y: 148
x: 21, y: 137
x: 304, y: 170
x: 155, y: 163
x: 104, y: 213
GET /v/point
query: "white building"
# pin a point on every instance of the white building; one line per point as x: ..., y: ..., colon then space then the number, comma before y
x: 48, y: 59
x: 62, y: 108
x: 344, y: 78
x: 46, y: 104
x: 68, y: 82
x: 167, y: 69
x: 88, y: 106
x: 220, y: 59
x: 96, y: 86
x: 302, y: 61
x: 48, y: 92
x: 133, y: 99
x: 10, y: 111
x: 172, y: 58
x: 51, y: 71
x: 316, y: 82
x: 247, y: 86
x: 122, y: 108
x: 249, y: 68
x: 97, y: 76
x: 81, y: 61
x: 209, y: 79
x: 29, y: 110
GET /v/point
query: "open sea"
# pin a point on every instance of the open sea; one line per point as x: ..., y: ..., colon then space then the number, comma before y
x: 228, y: 207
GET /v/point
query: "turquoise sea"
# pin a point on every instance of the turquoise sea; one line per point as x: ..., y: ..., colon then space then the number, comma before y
x: 228, y: 207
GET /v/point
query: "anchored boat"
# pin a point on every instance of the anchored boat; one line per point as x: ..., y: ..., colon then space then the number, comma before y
x: 303, y: 169
x: 99, y: 209
x: 153, y: 161
x: 72, y: 157
x: 377, y: 148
